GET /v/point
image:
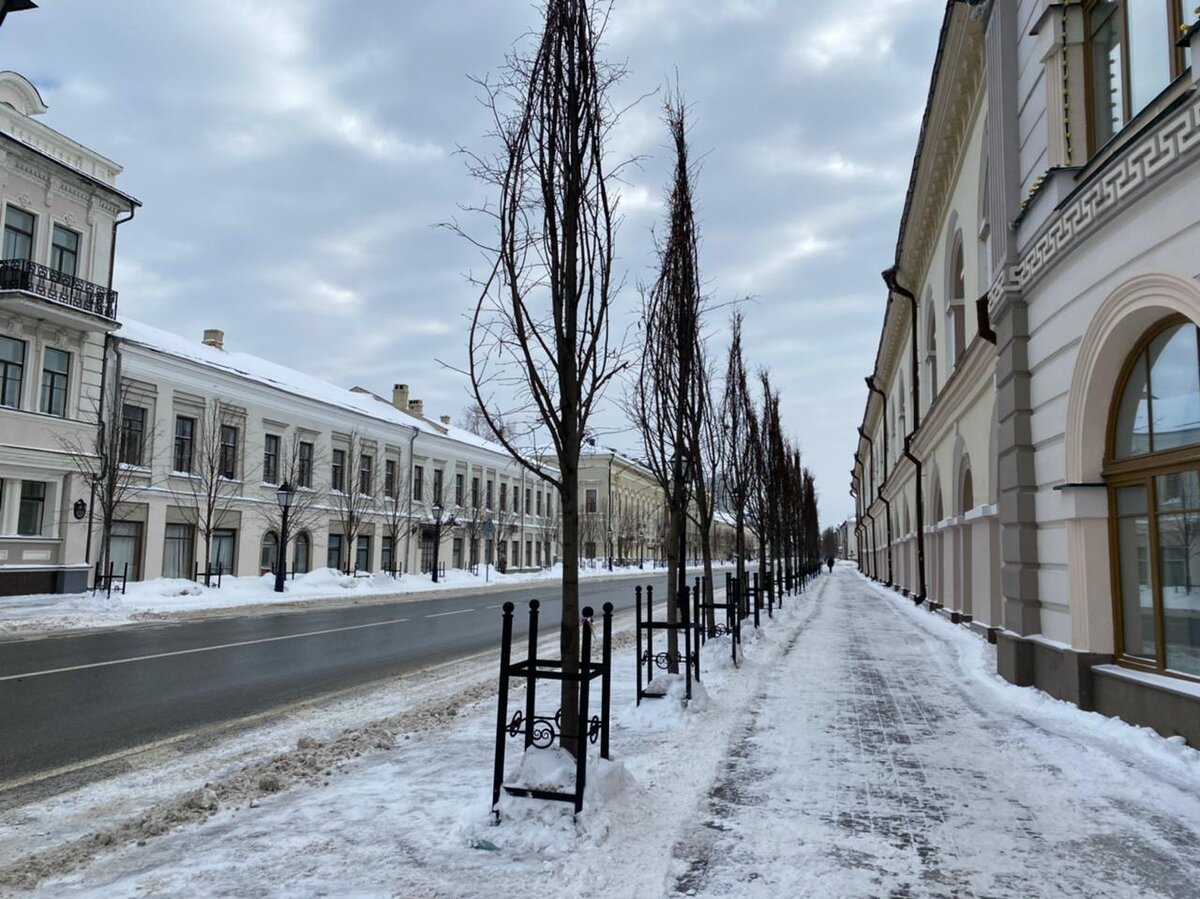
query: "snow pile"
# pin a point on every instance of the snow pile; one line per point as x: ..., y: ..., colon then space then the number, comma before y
x: 173, y: 597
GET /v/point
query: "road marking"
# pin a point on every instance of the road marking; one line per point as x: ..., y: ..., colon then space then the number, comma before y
x: 184, y: 652
x: 443, y: 614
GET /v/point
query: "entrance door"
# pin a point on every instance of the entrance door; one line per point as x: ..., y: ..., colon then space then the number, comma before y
x: 224, y: 542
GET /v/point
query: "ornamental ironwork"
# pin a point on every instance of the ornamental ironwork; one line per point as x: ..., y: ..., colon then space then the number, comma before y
x: 544, y: 731
x: 673, y: 659
x: 45, y: 282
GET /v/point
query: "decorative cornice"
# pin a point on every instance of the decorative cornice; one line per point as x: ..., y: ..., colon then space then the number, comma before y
x: 1128, y: 174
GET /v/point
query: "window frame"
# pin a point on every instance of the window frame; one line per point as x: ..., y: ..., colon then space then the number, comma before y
x: 186, y: 442
x: 337, y: 471
x: 1142, y: 470
x: 229, y: 452
x: 6, y: 378
x: 1177, y: 55
x: 59, y: 251
x: 270, y: 466
x: 366, y: 474
x: 30, y: 235
x: 305, y: 455
x: 40, y: 502
x: 137, y: 459
x: 55, y: 385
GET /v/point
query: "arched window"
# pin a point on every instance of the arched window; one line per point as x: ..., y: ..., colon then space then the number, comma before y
x: 301, y: 553
x: 1152, y: 469
x: 966, y: 491
x: 269, y: 553
x: 956, y: 300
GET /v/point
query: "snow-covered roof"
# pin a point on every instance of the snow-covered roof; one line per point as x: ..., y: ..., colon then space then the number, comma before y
x: 296, y: 383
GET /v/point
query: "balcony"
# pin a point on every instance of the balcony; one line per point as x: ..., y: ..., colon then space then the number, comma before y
x: 43, y: 281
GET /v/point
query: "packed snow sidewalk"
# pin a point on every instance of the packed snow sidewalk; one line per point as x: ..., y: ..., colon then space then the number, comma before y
x: 864, y: 748
x: 173, y: 598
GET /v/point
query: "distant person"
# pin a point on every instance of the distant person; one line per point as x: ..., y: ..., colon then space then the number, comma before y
x: 829, y: 562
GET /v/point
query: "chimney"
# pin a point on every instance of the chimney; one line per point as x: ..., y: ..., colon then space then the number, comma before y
x: 214, y: 337
x: 445, y: 419
x: 400, y: 396
x: 417, y: 408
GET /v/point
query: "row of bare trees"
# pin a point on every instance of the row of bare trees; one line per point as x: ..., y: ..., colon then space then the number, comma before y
x: 541, y: 349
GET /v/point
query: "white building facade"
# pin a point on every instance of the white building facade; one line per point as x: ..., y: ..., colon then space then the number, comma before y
x: 61, y: 209
x: 266, y: 424
x: 1029, y: 460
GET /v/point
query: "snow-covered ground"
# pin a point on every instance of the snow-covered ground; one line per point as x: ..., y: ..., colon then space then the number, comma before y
x: 864, y: 748
x: 166, y: 598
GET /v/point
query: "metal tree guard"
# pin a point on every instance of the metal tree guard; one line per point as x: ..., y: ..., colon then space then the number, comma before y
x: 541, y: 731
x: 663, y: 660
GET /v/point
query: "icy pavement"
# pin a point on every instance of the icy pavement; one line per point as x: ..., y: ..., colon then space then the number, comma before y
x: 885, y: 760
x: 863, y: 748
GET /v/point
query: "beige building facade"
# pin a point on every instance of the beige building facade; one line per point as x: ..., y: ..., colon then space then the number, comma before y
x: 1029, y: 459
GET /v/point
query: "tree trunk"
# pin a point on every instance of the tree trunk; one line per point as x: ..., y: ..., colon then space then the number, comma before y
x: 569, y: 632
x: 673, y: 569
x: 706, y: 583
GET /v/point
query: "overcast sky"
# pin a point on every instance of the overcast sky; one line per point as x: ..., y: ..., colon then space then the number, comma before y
x: 294, y: 157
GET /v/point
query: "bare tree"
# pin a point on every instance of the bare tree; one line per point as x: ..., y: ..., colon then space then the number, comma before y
x: 210, y: 481
x: 664, y: 400
x: 541, y: 328
x: 739, y: 422
x: 475, y: 420
x: 354, y: 499
x: 110, y: 458
x: 394, y: 507
x: 297, y: 460
x: 709, y: 436
x: 829, y: 543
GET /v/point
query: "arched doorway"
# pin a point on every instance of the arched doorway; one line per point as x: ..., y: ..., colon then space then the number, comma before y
x: 268, y: 555
x: 1152, y: 469
x: 301, y: 553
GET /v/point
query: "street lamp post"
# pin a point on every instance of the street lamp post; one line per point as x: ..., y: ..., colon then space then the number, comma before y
x: 283, y: 496
x: 437, y: 537
x: 610, y: 549
x: 641, y: 550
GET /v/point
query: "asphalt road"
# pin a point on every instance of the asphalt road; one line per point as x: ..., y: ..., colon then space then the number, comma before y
x: 75, y: 698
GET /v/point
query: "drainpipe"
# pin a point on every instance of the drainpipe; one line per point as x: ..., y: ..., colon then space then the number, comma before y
x: 100, y: 419
x: 412, y: 442
x: 887, y: 454
x: 890, y: 278
x: 887, y: 506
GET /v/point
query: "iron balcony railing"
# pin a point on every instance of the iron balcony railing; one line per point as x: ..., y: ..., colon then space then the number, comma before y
x: 43, y: 281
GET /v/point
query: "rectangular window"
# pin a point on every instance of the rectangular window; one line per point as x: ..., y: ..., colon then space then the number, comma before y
x: 590, y: 501
x: 488, y: 494
x: 18, y: 234
x: 437, y: 486
x: 337, y: 478
x: 528, y: 501
x: 459, y: 486
x: 539, y: 502
x: 185, y: 432
x: 64, y: 251
x: 304, y: 466
x: 56, y: 369
x: 177, y: 551
x: 515, y: 561
x: 366, y: 479
x: 418, y: 483
x: 385, y: 556
x: 133, y: 434
x: 549, y: 505
x: 1131, y: 58
x: 229, y: 445
x: 12, y: 369
x: 474, y: 493
x: 32, y: 510
x: 224, y: 546
x: 271, y: 459
x: 503, y: 496
x: 516, y: 498
x: 333, y: 557
x: 362, y: 553
x: 389, y: 478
